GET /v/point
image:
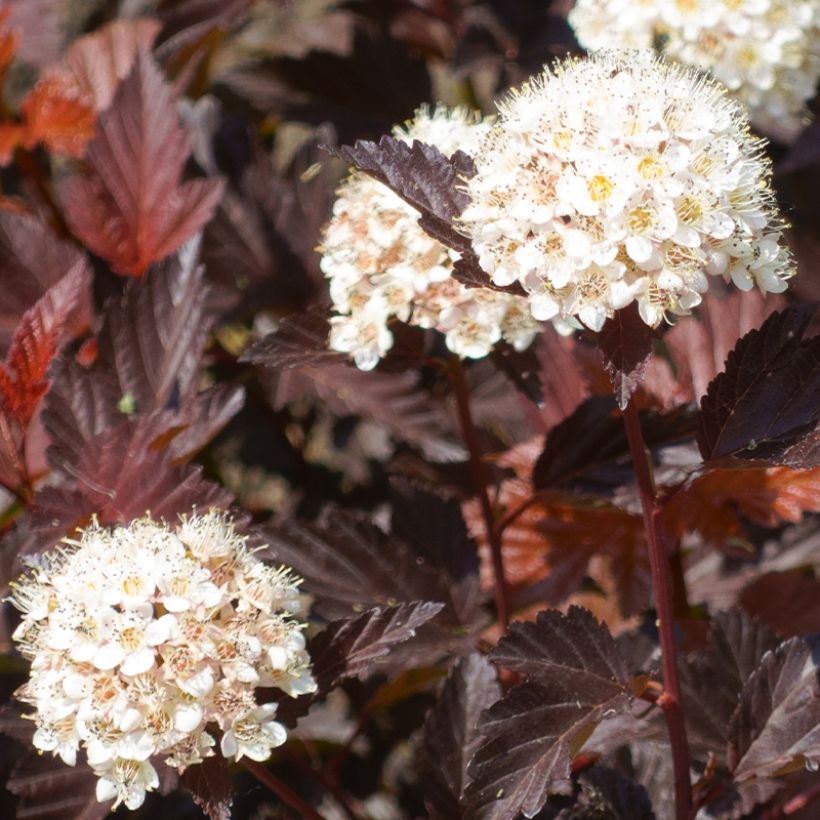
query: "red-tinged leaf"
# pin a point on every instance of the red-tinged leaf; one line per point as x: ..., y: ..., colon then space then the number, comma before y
x: 47, y: 789
x: 120, y: 475
x: 563, y: 360
x: 788, y: 602
x: 211, y: 786
x: 451, y: 734
x: 352, y: 647
x: 777, y: 722
x: 575, y: 678
x: 131, y: 208
x: 713, y: 678
x: 149, y: 357
x: 301, y: 365
x: 767, y: 496
x: 61, y: 110
x: 625, y: 342
x: 766, y: 399
x: 32, y: 260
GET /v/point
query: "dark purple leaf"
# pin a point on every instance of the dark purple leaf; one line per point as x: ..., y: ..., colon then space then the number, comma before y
x: 352, y: 647
x: 625, y: 342
x: 593, y: 436
x: 788, y: 601
x: 765, y: 401
x: 777, y: 722
x: 452, y: 736
x: 210, y: 784
x: 575, y: 678
x: 712, y: 679
x: 522, y: 368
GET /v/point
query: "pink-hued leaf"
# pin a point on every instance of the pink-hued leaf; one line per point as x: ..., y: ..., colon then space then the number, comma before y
x: 452, y: 736
x: 575, y: 677
x: 777, y: 722
x: 765, y: 401
x: 131, y: 208
x: 352, y: 647
x: 625, y: 342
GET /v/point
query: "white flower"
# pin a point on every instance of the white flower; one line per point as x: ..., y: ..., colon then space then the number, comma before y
x: 618, y: 179
x: 143, y: 636
x: 382, y: 266
x: 767, y: 52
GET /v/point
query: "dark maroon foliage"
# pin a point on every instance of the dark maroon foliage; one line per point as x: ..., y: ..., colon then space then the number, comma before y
x: 164, y: 330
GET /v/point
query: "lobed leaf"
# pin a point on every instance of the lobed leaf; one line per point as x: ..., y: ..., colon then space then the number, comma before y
x: 131, y: 207
x: 765, y: 401
x: 575, y: 678
x: 211, y: 786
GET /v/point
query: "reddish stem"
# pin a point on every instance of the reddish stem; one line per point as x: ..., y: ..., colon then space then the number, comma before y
x: 480, y: 476
x: 283, y: 792
x: 800, y: 802
x: 670, y: 700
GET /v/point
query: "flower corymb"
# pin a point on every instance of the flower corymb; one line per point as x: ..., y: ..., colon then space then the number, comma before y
x: 767, y: 52
x: 382, y: 265
x: 622, y: 178
x: 146, y: 639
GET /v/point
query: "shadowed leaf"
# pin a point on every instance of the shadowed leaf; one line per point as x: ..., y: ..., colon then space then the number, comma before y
x: 211, y: 786
x: 765, y: 401
x: 131, y: 208
x: 451, y: 734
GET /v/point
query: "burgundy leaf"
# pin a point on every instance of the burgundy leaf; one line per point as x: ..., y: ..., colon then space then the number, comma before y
x: 211, y: 786
x: 575, y: 678
x: 777, y: 722
x: 787, y: 601
x: 352, y: 647
x: 149, y: 360
x: 765, y: 401
x: 132, y: 208
x: 452, y: 735
x: 625, y: 342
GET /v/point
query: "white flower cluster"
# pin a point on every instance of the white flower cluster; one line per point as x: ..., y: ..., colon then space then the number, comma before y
x: 767, y: 52
x: 618, y: 179
x: 142, y: 636
x: 381, y: 264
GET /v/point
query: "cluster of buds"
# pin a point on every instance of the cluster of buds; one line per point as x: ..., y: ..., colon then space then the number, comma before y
x: 148, y: 640
x: 383, y: 266
x: 620, y: 179
x: 766, y: 52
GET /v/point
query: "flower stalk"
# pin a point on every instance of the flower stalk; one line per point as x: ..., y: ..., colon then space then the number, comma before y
x: 669, y: 700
